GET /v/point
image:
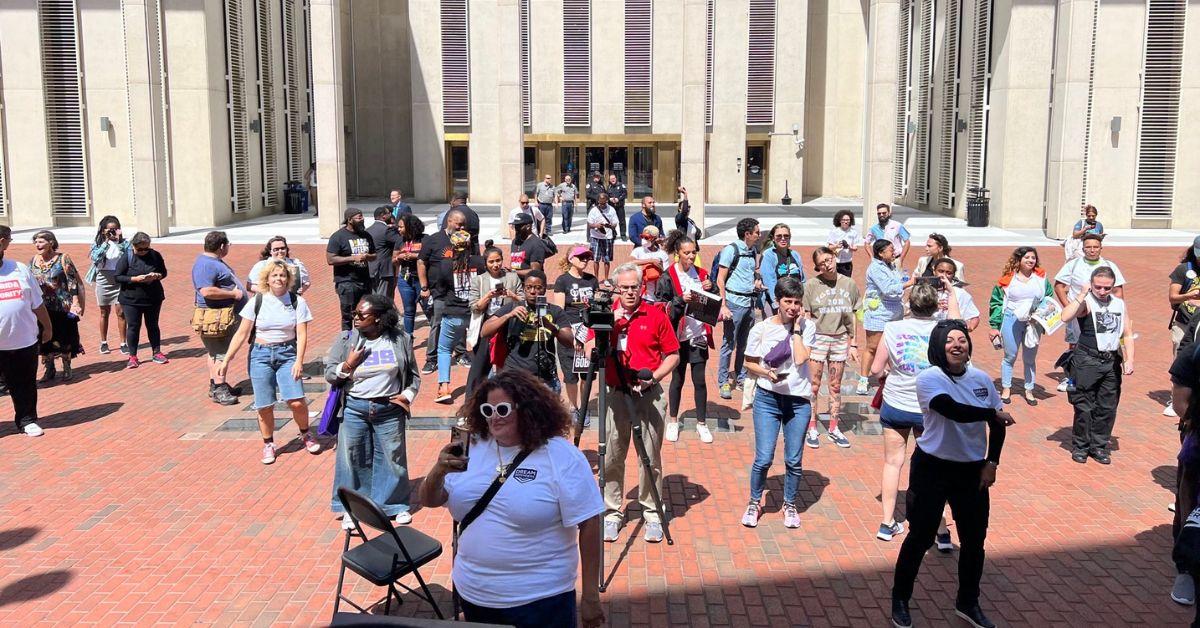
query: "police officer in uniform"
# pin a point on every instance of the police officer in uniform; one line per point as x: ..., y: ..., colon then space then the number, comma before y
x: 616, y: 197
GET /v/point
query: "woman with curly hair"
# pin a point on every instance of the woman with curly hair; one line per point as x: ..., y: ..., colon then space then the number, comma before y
x: 844, y: 240
x: 110, y: 246
x: 1022, y: 286
x: 453, y: 279
x: 408, y: 282
x: 937, y: 248
x: 518, y: 559
x: 277, y: 248
x: 63, y: 294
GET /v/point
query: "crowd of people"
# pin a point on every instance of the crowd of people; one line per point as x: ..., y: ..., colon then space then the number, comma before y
x: 788, y: 327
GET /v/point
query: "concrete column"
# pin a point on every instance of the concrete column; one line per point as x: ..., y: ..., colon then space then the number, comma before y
x: 691, y: 137
x: 147, y: 134
x: 328, y: 124
x: 511, y: 133
x: 28, y: 166
x: 785, y: 156
x: 879, y: 141
x: 1068, y: 126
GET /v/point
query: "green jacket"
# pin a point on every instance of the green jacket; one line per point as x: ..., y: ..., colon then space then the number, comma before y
x: 996, y: 303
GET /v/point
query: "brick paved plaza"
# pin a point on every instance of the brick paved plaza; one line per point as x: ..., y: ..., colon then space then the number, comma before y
x: 135, y: 508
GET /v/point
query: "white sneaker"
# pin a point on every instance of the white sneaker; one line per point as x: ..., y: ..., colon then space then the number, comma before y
x: 1169, y: 410
x: 269, y: 453
x: 404, y: 518
x: 1062, y: 386
x: 33, y: 429
x: 704, y: 432
x: 347, y: 522
x: 672, y: 431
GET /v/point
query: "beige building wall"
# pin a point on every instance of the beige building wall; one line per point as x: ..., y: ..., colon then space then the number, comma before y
x: 27, y: 168
x: 1187, y: 184
x: 545, y: 67
x: 484, y: 149
x: 834, y: 93
x: 1022, y: 53
x: 608, y: 67
x: 666, y: 115
x: 428, y: 134
x: 785, y: 158
x: 727, y: 137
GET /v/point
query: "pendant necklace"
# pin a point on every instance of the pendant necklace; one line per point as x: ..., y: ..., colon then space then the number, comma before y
x: 501, y: 466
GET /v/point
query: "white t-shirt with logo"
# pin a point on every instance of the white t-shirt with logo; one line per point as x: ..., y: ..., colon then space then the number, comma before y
x: 951, y: 440
x: 796, y: 380
x: 691, y: 328
x: 20, y: 295
x: 277, y: 317
x: 524, y: 546
x: 907, y: 344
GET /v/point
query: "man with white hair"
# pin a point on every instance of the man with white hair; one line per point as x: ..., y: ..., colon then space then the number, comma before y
x: 644, y: 351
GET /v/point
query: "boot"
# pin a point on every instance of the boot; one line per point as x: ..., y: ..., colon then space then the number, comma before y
x: 212, y: 388
x: 223, y: 396
x: 66, y: 372
x: 48, y: 376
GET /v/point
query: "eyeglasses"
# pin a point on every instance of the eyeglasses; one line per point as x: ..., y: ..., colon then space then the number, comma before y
x: 363, y: 316
x: 499, y: 410
x: 633, y: 288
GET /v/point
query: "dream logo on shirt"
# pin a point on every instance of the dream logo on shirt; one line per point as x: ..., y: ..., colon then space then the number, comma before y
x: 981, y: 393
x: 10, y: 290
x: 912, y: 352
x: 524, y: 476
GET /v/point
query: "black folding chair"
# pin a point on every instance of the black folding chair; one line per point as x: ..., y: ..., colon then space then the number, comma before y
x: 387, y: 558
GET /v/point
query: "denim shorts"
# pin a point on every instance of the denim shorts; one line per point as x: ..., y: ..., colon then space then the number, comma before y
x: 271, y: 372
x: 900, y: 419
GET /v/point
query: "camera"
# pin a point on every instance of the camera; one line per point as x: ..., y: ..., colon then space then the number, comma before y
x: 599, y: 314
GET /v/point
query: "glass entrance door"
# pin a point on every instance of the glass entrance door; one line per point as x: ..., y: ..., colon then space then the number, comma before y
x: 643, y: 172
x: 593, y: 161
x: 568, y: 163
x: 756, y: 173
x: 618, y: 159
x: 458, y: 169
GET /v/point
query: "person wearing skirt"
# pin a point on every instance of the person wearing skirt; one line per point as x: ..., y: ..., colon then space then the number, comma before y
x: 62, y: 292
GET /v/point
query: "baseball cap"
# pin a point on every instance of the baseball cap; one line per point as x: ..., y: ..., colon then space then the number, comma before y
x: 350, y: 213
x: 1196, y: 247
x: 581, y: 251
x: 522, y: 219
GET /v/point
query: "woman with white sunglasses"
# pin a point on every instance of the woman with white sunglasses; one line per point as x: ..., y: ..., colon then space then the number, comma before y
x: 518, y: 557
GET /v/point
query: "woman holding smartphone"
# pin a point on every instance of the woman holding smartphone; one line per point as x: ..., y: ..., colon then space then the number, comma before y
x: 140, y: 275
x: 490, y: 291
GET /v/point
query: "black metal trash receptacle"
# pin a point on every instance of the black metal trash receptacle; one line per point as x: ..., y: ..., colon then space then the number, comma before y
x: 295, y: 199
x: 977, y: 207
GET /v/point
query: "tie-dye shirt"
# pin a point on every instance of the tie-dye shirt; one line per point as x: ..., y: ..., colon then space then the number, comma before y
x: 907, y: 344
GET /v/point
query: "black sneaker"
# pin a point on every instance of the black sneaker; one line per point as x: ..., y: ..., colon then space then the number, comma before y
x: 428, y: 368
x: 124, y: 349
x: 973, y: 614
x: 223, y: 396
x: 901, y: 618
x: 1101, y: 456
x: 1079, y: 456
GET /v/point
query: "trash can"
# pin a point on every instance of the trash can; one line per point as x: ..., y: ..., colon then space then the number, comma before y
x: 295, y: 198
x: 977, y: 207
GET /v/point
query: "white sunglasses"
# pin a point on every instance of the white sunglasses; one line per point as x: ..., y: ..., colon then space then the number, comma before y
x: 498, y: 411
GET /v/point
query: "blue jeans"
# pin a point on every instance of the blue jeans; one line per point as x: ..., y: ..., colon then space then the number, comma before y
x: 733, y: 342
x: 568, y: 211
x: 773, y: 411
x: 547, y: 210
x: 556, y: 610
x: 410, y: 294
x: 1012, y: 333
x: 371, y: 455
x: 452, y: 326
x: 270, y: 368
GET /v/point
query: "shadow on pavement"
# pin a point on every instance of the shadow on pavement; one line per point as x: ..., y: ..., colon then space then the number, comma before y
x: 35, y: 586
x: 16, y: 537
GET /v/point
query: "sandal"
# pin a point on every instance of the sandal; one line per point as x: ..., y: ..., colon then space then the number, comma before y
x: 1006, y: 396
x: 443, y: 394
x: 1030, y: 399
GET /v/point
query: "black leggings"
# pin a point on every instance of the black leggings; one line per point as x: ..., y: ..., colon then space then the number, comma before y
x: 932, y: 482
x: 133, y: 326
x: 676, y: 390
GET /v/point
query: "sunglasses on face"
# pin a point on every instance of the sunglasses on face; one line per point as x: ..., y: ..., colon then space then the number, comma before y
x: 783, y: 236
x: 499, y: 410
x: 282, y: 249
x: 362, y: 316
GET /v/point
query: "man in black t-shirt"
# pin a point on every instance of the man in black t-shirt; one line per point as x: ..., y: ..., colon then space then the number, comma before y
x: 434, y: 248
x: 387, y: 241
x: 529, y: 252
x: 349, y: 251
x: 530, y: 331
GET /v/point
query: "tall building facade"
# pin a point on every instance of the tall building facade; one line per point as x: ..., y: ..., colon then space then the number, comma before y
x: 196, y: 112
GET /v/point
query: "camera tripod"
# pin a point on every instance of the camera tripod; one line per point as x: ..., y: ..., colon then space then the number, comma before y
x: 597, y: 368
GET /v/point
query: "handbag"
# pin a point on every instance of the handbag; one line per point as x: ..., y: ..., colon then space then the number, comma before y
x: 213, y: 322
x: 331, y: 416
x: 877, y: 400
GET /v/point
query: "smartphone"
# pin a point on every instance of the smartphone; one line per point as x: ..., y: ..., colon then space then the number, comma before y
x: 461, y: 438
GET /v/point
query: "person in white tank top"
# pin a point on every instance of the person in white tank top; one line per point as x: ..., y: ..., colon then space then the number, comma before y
x: 1103, y: 354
